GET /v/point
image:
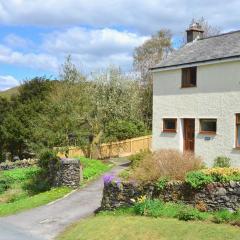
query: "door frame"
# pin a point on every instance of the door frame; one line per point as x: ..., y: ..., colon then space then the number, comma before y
x: 184, y: 134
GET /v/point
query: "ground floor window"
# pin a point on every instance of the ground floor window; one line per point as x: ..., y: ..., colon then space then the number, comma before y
x: 208, y: 126
x: 169, y: 125
x: 238, y: 130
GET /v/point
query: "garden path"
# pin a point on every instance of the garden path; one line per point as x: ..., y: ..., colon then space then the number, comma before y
x: 46, y: 222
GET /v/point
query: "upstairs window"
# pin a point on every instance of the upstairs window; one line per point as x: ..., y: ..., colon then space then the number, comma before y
x: 189, y: 77
x: 170, y: 125
x: 238, y: 131
x: 208, y: 126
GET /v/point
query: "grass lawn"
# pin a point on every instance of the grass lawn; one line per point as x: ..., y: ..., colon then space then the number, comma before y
x: 33, y: 201
x: 139, y: 228
x: 93, y: 168
x: 15, y: 197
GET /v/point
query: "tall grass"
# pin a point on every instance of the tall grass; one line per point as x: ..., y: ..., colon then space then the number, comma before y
x: 169, y: 163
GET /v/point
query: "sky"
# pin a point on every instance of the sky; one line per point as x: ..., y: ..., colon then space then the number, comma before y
x: 36, y: 36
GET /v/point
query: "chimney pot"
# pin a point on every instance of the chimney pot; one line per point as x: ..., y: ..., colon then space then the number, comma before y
x: 194, y: 32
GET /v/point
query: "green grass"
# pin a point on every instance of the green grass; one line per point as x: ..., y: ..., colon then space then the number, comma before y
x: 19, y: 174
x: 138, y: 228
x: 34, y: 201
x: 93, y: 168
x: 8, y: 93
x: 16, y: 197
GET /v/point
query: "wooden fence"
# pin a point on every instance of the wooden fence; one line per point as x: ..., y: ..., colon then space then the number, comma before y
x: 116, y: 149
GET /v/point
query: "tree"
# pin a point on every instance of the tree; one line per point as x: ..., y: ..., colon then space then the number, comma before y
x: 64, y: 120
x: 146, y: 56
x: 151, y: 52
x: 209, y: 30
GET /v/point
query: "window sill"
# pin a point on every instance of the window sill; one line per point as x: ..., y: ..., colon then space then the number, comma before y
x: 169, y: 131
x: 208, y: 133
x: 182, y: 87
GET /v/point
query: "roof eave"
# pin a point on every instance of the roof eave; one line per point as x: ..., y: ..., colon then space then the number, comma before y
x: 197, y: 63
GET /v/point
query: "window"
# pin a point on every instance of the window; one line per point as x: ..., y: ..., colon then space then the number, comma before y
x: 238, y: 130
x: 170, y: 125
x: 189, y: 77
x: 208, y: 126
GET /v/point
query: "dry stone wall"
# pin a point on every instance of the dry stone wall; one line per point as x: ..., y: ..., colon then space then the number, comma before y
x: 212, y: 197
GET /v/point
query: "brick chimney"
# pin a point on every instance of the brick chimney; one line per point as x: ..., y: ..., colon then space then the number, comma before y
x: 194, y: 32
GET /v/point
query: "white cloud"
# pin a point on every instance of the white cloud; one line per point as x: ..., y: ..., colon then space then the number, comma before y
x: 15, y: 41
x: 90, y: 48
x: 7, y: 82
x: 141, y: 15
x: 39, y: 61
x: 94, y: 48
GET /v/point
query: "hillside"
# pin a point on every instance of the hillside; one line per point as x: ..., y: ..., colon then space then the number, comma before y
x: 8, y: 93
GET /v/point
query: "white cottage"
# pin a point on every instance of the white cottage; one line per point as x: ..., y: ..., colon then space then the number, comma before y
x: 196, y: 97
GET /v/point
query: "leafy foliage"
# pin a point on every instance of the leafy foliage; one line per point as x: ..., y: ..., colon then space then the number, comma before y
x: 124, y: 129
x: 222, y: 161
x: 190, y: 214
x: 198, y: 179
x: 93, y: 168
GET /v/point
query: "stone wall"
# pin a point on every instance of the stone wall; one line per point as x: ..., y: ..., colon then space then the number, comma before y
x: 210, y: 198
x: 18, y: 164
x: 69, y: 173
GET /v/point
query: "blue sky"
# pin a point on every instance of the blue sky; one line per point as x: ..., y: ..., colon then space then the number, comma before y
x: 36, y: 36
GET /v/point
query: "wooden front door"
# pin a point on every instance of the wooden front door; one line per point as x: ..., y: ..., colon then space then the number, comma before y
x: 189, y: 134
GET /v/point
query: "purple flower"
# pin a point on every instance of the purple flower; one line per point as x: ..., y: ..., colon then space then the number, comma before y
x: 108, y: 179
x: 118, y: 182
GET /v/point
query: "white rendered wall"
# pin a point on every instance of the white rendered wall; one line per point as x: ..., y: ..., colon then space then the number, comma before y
x: 217, y: 95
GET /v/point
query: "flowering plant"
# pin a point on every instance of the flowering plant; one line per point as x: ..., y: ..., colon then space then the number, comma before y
x: 108, y: 179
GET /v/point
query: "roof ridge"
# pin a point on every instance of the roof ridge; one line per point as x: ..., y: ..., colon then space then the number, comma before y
x: 221, y: 34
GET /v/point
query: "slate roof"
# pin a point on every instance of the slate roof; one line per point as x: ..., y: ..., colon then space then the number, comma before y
x: 224, y: 46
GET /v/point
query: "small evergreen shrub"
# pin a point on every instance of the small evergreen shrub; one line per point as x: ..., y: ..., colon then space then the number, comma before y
x: 198, y: 179
x: 4, y: 184
x: 190, y: 214
x: 222, y: 216
x: 161, y: 183
x: 138, y: 157
x: 222, y: 162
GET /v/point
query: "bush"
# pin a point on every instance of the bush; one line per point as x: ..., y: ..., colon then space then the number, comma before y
x: 222, y: 216
x: 4, y: 184
x: 190, y: 214
x: 49, y: 163
x: 149, y: 207
x: 169, y: 164
x: 197, y: 179
x: 222, y: 162
x: 122, y: 129
x: 137, y: 158
x: 161, y: 183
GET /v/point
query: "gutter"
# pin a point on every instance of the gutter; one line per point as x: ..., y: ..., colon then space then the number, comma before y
x: 196, y: 63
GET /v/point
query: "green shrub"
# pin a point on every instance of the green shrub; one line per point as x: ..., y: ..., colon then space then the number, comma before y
x: 197, y: 179
x: 124, y: 129
x: 223, y: 162
x: 222, y: 216
x: 190, y: 214
x: 161, y: 183
x: 20, y: 174
x: 149, y: 207
x: 49, y: 163
x: 4, y: 184
x: 138, y: 157
x: 157, y: 208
